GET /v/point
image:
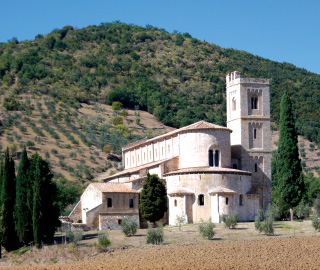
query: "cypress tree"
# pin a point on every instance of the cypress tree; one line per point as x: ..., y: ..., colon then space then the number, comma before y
x: 46, y: 209
x: 9, y: 237
x: 37, y: 217
x: 23, y: 208
x: 288, y: 177
x: 153, y: 198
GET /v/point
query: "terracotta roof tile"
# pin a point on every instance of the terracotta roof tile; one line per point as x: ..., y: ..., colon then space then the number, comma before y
x: 114, y: 188
x: 182, y: 191
x: 214, y: 170
x: 221, y: 190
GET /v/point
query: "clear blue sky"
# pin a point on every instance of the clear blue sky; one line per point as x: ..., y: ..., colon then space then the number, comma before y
x: 280, y: 30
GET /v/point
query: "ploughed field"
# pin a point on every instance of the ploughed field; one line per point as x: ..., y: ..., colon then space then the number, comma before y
x: 271, y: 253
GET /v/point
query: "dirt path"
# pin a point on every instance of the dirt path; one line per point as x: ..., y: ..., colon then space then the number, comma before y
x: 280, y: 253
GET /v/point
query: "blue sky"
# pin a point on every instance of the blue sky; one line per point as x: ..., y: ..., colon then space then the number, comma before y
x: 282, y: 30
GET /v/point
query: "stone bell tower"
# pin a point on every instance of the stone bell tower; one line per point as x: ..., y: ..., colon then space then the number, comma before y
x: 248, y: 116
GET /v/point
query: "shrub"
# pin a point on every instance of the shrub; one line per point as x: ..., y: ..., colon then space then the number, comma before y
x: 155, y: 235
x: 116, y: 106
x: 103, y: 240
x: 118, y: 120
x: 264, y: 221
x: 138, y: 121
x: 316, y: 223
x: 29, y: 143
x: 54, y: 151
x: 74, y: 236
x: 180, y: 220
x: 230, y: 220
x: 129, y: 226
x: 206, y: 229
x: 302, y: 211
x: 107, y: 148
x: 47, y: 155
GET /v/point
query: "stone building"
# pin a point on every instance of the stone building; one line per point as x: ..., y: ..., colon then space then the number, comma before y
x: 209, y: 170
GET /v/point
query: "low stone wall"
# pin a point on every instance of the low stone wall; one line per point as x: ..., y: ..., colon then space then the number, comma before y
x: 113, y: 221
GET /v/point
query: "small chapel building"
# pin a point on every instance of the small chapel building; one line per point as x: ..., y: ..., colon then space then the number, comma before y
x: 209, y: 170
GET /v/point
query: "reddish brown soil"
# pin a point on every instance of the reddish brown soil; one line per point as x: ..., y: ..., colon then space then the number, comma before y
x: 280, y: 253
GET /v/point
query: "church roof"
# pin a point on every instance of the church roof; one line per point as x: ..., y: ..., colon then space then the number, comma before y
x: 114, y: 188
x: 213, y: 170
x: 201, y: 125
x: 222, y: 190
x: 181, y: 191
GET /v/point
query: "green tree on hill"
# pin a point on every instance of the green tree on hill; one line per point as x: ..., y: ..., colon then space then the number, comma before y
x: 9, y: 237
x: 288, y: 179
x: 153, y: 198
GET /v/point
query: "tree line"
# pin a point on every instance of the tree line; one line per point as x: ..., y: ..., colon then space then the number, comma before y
x: 29, y: 202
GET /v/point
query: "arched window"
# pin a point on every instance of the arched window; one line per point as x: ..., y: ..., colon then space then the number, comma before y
x: 216, y: 158
x: 235, y: 166
x: 241, y: 199
x: 254, y: 133
x: 255, y: 167
x: 109, y: 202
x: 234, y: 104
x: 175, y: 203
x: 254, y: 103
x: 227, y: 201
x: 131, y: 203
x: 210, y: 158
x: 201, y: 199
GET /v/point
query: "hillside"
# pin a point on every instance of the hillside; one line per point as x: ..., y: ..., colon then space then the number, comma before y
x: 78, y: 141
x: 177, y: 78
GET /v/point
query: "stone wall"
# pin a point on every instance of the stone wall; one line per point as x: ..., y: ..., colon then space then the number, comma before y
x: 113, y: 221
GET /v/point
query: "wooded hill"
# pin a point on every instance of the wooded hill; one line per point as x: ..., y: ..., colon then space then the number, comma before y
x: 177, y: 78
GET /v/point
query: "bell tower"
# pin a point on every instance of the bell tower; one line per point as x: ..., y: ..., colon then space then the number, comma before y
x: 248, y: 116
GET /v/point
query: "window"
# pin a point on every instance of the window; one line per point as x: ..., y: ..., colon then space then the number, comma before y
x: 131, y: 203
x: 255, y: 167
x: 175, y: 203
x: 227, y: 201
x: 109, y: 202
x: 241, y: 199
x: 119, y: 222
x: 210, y: 158
x: 254, y: 133
x: 216, y: 158
x: 254, y: 103
x: 234, y: 104
x: 235, y: 166
x: 201, y: 199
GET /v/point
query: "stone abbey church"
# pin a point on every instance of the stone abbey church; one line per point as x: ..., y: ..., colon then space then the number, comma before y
x: 209, y: 170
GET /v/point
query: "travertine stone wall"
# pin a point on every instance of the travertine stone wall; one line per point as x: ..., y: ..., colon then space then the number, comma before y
x: 90, y: 199
x: 154, y: 151
x: 195, y: 146
x: 203, y: 184
x: 113, y: 222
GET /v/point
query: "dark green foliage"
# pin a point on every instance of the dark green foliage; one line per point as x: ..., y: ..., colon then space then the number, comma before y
x: 45, y: 204
x: 24, y: 200
x: 153, y: 198
x: 66, y: 195
x: 288, y: 182
x: 103, y: 240
x: 9, y: 237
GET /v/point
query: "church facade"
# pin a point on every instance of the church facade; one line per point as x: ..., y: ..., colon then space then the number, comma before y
x: 209, y: 170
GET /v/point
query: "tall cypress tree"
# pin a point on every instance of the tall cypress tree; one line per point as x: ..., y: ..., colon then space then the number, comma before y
x: 23, y: 208
x: 46, y: 210
x: 153, y: 198
x: 9, y: 238
x: 37, y: 217
x: 288, y: 177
